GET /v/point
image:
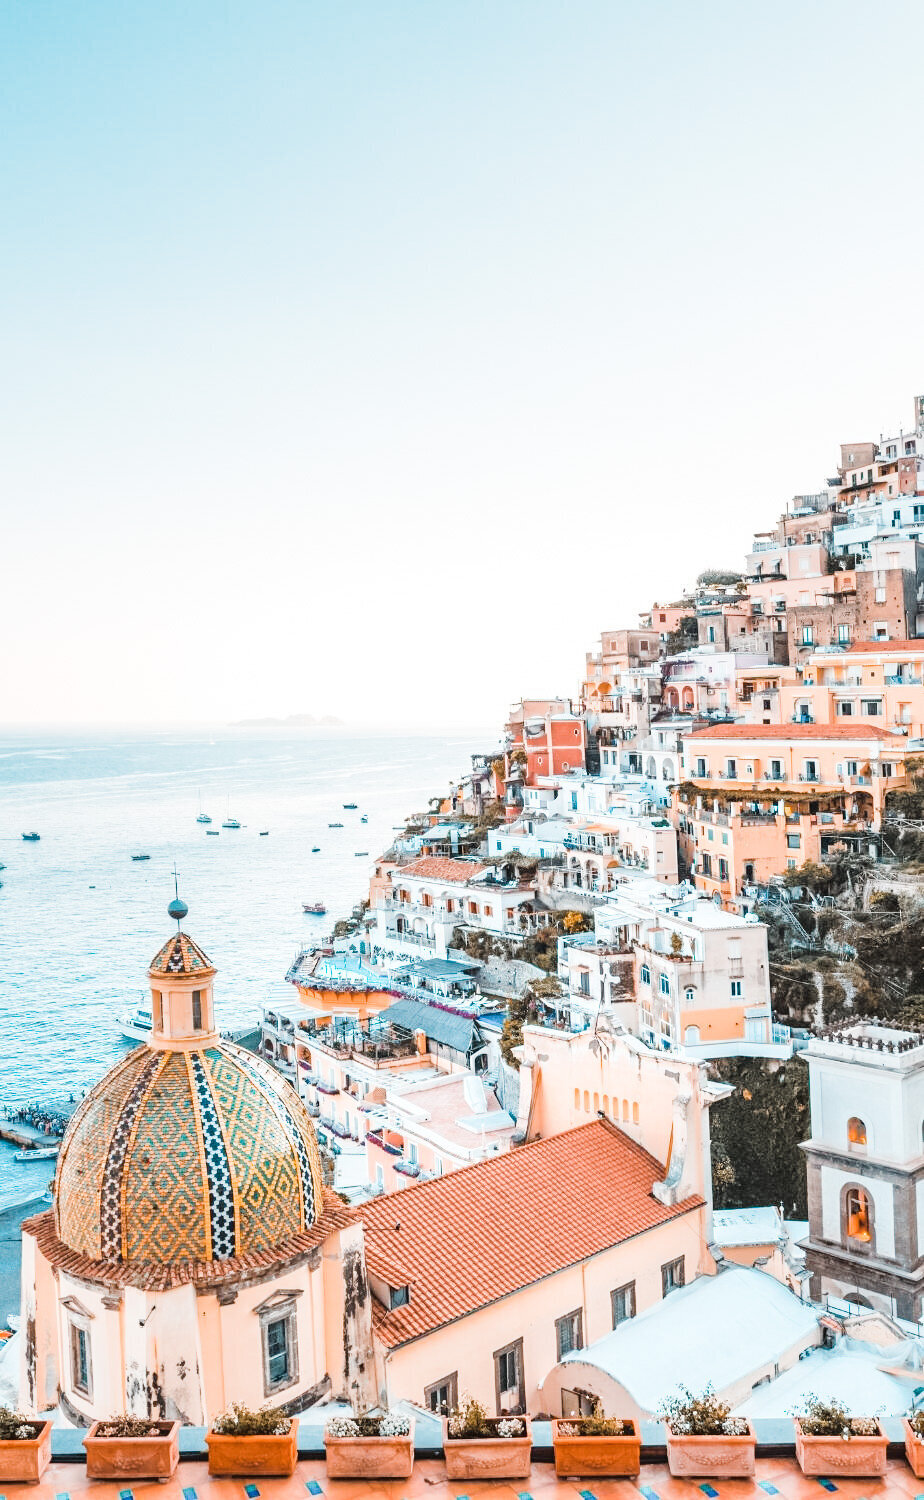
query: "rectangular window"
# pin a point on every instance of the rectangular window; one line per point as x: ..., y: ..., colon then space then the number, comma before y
x: 509, y: 1388
x: 623, y: 1300
x: 793, y: 841
x: 277, y: 1351
x: 707, y: 865
x: 280, y: 1347
x: 731, y: 769
x: 872, y: 707
x: 845, y: 710
x: 723, y: 869
x: 197, y: 1010
x: 664, y: 984
x: 569, y: 1333
x: 736, y: 989
x: 671, y: 1276
x: 776, y: 770
x: 808, y: 637
x: 811, y: 770
x: 489, y: 911
x: 700, y: 767
x: 81, y: 1370
x: 843, y: 635
x: 443, y: 1395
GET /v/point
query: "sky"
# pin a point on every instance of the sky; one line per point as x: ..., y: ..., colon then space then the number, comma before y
x: 369, y: 359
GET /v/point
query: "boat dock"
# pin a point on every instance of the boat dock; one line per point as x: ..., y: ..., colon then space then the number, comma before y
x: 26, y: 1135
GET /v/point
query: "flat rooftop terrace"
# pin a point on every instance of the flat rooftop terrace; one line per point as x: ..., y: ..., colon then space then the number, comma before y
x: 775, y: 1477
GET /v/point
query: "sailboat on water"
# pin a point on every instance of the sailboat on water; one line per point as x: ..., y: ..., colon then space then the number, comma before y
x: 230, y: 822
x: 203, y: 816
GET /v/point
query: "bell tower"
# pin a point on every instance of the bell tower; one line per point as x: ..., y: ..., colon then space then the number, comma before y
x: 182, y: 996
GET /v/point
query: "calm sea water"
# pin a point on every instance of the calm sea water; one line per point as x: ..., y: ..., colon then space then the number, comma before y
x: 79, y: 921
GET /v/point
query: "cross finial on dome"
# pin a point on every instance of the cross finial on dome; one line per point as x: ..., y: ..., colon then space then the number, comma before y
x: 177, y: 908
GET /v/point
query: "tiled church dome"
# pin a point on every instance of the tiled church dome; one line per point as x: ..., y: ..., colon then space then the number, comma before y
x: 190, y: 1154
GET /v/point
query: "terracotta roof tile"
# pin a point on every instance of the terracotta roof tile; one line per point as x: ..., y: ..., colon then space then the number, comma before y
x: 156, y: 1276
x: 464, y: 1240
x: 887, y: 648
x: 783, y: 732
x: 180, y: 955
x: 431, y: 867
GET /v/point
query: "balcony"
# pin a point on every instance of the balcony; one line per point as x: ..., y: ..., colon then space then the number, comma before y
x: 408, y: 1168
x: 324, y: 1087
x: 377, y: 1137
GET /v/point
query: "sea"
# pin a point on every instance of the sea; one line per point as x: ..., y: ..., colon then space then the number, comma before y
x: 80, y: 920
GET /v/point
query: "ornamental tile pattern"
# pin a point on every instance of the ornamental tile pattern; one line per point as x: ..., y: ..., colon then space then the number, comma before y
x: 180, y: 955
x: 299, y: 1128
x: 266, y: 1165
x: 85, y: 1148
x: 202, y: 1155
x: 110, y: 1195
x: 164, y: 1194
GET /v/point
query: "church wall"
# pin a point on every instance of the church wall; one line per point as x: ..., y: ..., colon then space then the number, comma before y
x: 169, y: 1352
x: 466, y: 1347
x: 39, y: 1359
x: 881, y: 1192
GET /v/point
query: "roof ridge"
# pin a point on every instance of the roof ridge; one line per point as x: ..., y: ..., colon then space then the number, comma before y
x: 520, y: 1150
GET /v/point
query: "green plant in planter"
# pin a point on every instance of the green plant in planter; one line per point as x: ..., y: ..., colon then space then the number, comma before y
x: 689, y: 1415
x: 469, y: 1420
x: 832, y: 1419
x: 126, y: 1426
x: 596, y: 1425
x: 241, y: 1421
x: 15, y: 1426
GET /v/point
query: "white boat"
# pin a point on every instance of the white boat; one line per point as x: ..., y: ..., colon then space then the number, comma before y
x: 202, y: 817
x: 37, y: 1153
x: 137, y: 1025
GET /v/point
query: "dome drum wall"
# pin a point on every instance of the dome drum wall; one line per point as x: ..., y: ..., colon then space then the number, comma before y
x: 197, y: 1154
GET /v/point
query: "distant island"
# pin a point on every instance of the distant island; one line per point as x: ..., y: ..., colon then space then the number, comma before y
x: 294, y: 721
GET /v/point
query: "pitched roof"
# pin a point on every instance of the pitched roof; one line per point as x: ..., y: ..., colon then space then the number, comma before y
x: 782, y: 732
x: 432, y: 867
x: 465, y: 1240
x: 180, y: 955
x: 444, y: 1026
x: 887, y: 648
x: 254, y: 1265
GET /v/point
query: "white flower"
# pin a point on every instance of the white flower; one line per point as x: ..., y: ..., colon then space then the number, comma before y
x: 394, y: 1425
x: 342, y: 1427
x: 512, y: 1427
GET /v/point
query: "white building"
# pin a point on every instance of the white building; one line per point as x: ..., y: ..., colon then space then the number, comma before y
x: 866, y: 1168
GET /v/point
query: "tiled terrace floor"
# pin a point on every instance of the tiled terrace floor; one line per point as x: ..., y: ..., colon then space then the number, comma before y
x: 780, y: 1477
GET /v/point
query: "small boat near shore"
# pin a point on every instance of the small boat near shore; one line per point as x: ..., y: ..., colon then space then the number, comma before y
x: 264, y: 833
x: 231, y: 823
x: 330, y: 825
x: 314, y: 908
x: 37, y: 1153
x: 364, y: 818
x: 213, y: 833
x: 350, y: 806
x: 137, y: 858
x: 31, y: 838
x: 316, y: 849
x: 361, y: 853
x: 202, y: 817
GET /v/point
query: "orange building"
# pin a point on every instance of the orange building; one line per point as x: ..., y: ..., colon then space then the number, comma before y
x: 758, y: 799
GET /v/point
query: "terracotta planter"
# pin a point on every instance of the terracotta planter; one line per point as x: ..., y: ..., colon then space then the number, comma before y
x: 914, y: 1449
x: 24, y: 1460
x: 691, y: 1457
x: 489, y: 1457
x: 863, y: 1457
x: 266, y: 1453
x: 133, y: 1457
x: 595, y: 1455
x: 370, y: 1457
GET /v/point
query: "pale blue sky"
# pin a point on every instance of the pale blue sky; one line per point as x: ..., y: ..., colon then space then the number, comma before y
x: 371, y: 358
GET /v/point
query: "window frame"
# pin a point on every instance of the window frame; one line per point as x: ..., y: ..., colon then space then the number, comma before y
x: 669, y: 1270
x: 627, y: 1290
x: 79, y: 1338
x: 283, y: 1309
x: 575, y: 1320
x: 514, y: 1348
x: 449, y: 1383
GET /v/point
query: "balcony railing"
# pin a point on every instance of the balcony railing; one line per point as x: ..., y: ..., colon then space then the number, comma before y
x: 327, y: 1088
x: 377, y: 1139
x: 408, y: 1168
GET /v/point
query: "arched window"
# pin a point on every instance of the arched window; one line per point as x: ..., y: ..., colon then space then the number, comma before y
x: 625, y: 1110
x: 856, y: 1134
x: 645, y: 975
x: 596, y: 1104
x: 689, y: 994
x: 859, y: 1223
x: 635, y: 1114
x: 586, y: 1102
x: 577, y: 1098
x: 691, y: 1035
x: 606, y: 1104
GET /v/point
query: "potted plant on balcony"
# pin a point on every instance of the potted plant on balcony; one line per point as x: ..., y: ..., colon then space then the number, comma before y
x: 913, y: 1426
x: 703, y: 1439
x: 596, y: 1444
x: 25, y: 1447
x: 370, y: 1447
x: 477, y: 1446
x: 242, y: 1441
x: 136, y: 1447
x: 830, y: 1441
